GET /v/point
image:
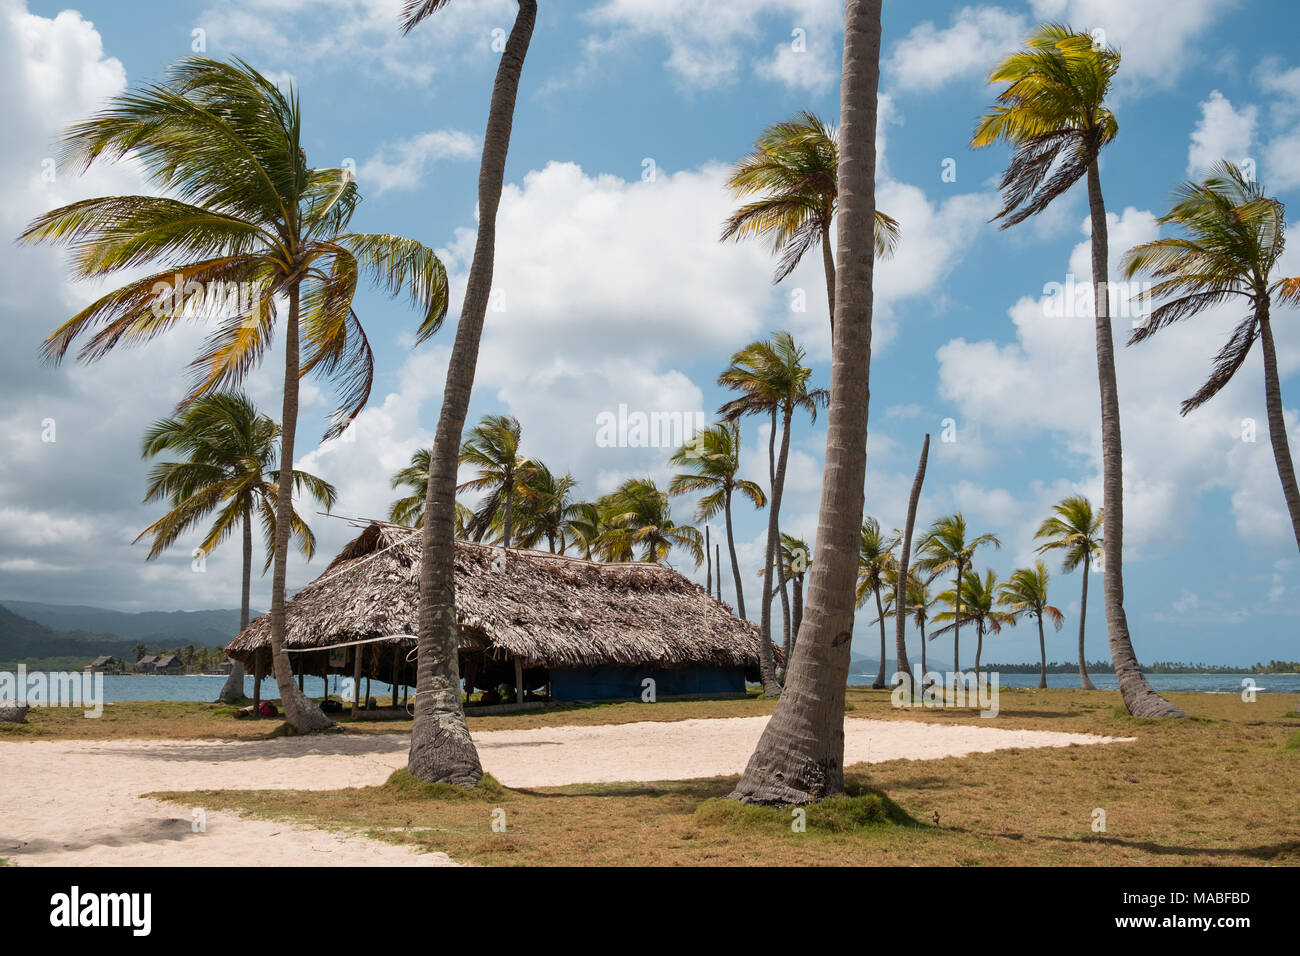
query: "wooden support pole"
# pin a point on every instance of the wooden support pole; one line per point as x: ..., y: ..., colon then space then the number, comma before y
x: 257, y: 684
x: 519, y: 681
x: 356, y: 676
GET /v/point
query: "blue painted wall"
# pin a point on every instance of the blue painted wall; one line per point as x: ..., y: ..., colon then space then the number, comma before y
x: 624, y: 683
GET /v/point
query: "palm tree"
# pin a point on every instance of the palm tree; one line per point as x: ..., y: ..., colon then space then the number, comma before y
x: 409, y: 509
x: 875, y: 558
x: 794, y: 171
x: 905, y: 571
x: 945, y: 548
x: 773, y: 381
x: 975, y: 603
x: 585, y: 527
x: 1054, y: 113
x: 714, y: 457
x: 547, y: 509
x: 441, y: 748
x: 493, y: 448
x: 637, y: 515
x: 244, y: 211
x: 1025, y: 592
x: 796, y: 557
x: 1234, y: 236
x: 800, y: 755
x: 919, y: 602
x: 229, y: 450
x: 1076, y: 531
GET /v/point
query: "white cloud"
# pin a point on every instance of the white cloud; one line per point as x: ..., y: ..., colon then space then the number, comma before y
x: 976, y: 38
x: 402, y: 165
x: 1222, y: 133
x: 1282, y: 151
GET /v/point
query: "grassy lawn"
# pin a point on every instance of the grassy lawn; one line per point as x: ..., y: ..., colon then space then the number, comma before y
x: 1215, y: 789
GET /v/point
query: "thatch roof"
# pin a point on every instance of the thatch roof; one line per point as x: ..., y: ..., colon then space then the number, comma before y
x: 548, y: 610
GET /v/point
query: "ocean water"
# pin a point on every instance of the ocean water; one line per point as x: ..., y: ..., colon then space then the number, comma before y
x: 202, y: 687
x: 1105, y: 680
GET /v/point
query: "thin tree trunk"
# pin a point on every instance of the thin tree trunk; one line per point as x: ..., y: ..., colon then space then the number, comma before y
x: 772, y: 561
x: 1084, y: 680
x: 905, y: 557
x: 735, y: 565
x: 956, y: 623
x: 717, y: 560
x: 441, y: 748
x: 924, y: 668
x: 787, y: 641
x: 1139, y: 697
x: 880, y: 680
x: 302, y: 714
x: 800, y: 755
x: 828, y: 265
x: 798, y: 608
x: 1277, y: 424
x: 1042, y: 654
x: 507, y: 523
x: 708, y: 557
x: 233, y: 689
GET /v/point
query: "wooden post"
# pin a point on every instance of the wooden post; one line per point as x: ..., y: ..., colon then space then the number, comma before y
x: 257, y: 684
x: 302, y: 672
x: 325, y: 676
x: 717, y: 552
x: 519, y: 681
x: 356, y: 676
x: 396, y: 659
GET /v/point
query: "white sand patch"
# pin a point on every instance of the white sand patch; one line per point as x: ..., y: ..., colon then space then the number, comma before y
x: 78, y: 803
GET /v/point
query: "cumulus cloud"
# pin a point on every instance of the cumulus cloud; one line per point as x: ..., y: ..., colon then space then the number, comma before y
x: 929, y: 56
x: 402, y: 165
x: 1222, y: 133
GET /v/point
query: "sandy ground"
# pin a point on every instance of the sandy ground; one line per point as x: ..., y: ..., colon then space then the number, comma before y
x: 78, y: 803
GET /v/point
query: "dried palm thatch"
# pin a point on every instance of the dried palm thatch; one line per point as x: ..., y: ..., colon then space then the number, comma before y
x: 546, y: 610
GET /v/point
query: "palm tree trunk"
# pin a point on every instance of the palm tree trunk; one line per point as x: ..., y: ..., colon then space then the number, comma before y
x: 507, y: 522
x: 708, y: 557
x: 735, y: 565
x: 441, y: 748
x: 924, y: 667
x: 303, y: 715
x: 1084, y: 680
x: 797, y: 613
x: 787, y: 641
x: 772, y: 560
x: 956, y: 623
x: 1139, y: 697
x: 800, y: 756
x: 828, y: 265
x: 1277, y: 424
x: 979, y: 651
x: 1042, y: 654
x: 233, y: 689
x: 900, y: 590
x: 879, y: 682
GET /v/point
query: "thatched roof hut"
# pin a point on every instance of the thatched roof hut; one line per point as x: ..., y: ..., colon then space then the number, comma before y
x: 562, y: 619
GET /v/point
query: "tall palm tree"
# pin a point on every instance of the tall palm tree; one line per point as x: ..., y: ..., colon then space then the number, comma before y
x: 800, y: 755
x: 875, y: 558
x: 636, y: 515
x: 1054, y: 112
x: 794, y: 172
x: 244, y: 210
x: 796, y: 558
x: 945, y: 548
x: 1075, y: 530
x: 547, y: 508
x: 714, y: 459
x: 493, y: 448
x: 773, y: 381
x: 441, y: 748
x: 975, y: 603
x: 919, y: 603
x: 229, y: 452
x: 1234, y: 234
x: 905, y: 571
x: 1025, y: 592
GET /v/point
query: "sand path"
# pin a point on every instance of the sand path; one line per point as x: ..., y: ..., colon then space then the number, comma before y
x: 78, y: 802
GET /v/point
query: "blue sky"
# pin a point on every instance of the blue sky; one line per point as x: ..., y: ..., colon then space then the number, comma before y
x: 612, y: 288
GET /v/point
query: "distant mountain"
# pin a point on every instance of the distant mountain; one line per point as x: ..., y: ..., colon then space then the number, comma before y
x: 161, y: 628
x: 25, y: 639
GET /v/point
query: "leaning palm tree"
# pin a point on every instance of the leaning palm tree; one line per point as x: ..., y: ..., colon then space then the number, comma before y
x: 245, y: 223
x: 713, y: 458
x: 800, y: 755
x: 945, y: 548
x: 974, y: 603
x: 441, y: 748
x: 547, y: 509
x: 229, y: 452
x: 773, y: 381
x: 1025, y: 592
x: 636, y: 515
x: 794, y: 172
x: 493, y: 448
x: 875, y: 558
x: 1054, y: 112
x: 1075, y: 530
x: 1234, y: 234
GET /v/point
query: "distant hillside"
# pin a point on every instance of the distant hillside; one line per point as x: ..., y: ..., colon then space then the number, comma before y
x: 162, y: 628
x: 22, y: 639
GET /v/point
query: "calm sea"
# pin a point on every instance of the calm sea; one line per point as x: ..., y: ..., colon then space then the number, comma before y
x: 199, y: 687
